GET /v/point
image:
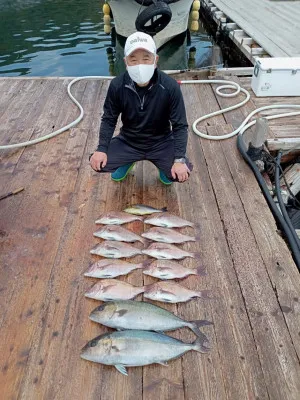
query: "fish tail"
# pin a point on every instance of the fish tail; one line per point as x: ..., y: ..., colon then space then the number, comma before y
x: 205, y: 294
x: 195, y: 325
x: 196, y: 255
x: 146, y: 263
x: 145, y: 241
x: 201, y: 270
x: 164, y: 209
x: 201, y: 344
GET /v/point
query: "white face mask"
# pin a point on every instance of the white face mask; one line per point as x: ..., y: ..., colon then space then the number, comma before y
x: 141, y: 73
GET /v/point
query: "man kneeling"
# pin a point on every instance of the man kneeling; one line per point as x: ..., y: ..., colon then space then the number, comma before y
x: 154, y: 125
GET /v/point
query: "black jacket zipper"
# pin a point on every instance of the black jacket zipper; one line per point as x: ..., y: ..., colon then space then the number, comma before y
x: 142, y: 101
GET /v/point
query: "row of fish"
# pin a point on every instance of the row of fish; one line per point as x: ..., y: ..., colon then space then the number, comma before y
x: 157, y: 234
x: 164, y: 220
x: 162, y: 251
x: 160, y: 269
x: 140, y: 340
x: 141, y: 343
x: 168, y: 292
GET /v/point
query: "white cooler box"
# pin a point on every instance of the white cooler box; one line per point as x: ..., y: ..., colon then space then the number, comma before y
x: 276, y: 77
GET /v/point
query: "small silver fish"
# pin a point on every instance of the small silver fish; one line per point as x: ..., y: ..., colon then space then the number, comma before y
x: 112, y: 249
x: 166, y: 251
x: 141, y: 209
x: 167, y: 220
x: 171, y: 292
x: 111, y: 268
x: 131, y: 314
x: 117, y: 218
x: 134, y: 348
x: 116, y: 232
x: 167, y: 235
x: 113, y: 289
x: 162, y: 269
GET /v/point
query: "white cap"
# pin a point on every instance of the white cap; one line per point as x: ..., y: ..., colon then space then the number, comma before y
x: 139, y: 40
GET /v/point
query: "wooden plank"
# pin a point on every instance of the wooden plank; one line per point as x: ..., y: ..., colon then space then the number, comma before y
x: 234, y: 357
x: 23, y: 129
x: 283, y: 131
x: 283, y: 144
x: 261, y: 21
x: 159, y: 381
x: 89, y: 200
x: 277, y: 354
x: 277, y: 258
x: 28, y: 238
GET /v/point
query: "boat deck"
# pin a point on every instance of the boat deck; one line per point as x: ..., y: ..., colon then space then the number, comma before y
x: 46, y: 233
x: 260, y: 20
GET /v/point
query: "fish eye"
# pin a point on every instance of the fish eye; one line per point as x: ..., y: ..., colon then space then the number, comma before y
x: 94, y: 343
x: 101, y: 308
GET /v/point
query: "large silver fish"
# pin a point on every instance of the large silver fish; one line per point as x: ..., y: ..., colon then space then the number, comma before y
x: 113, y: 289
x: 167, y: 235
x: 117, y: 218
x: 163, y: 269
x: 142, y: 209
x: 132, y: 314
x: 164, y: 251
x: 116, y: 232
x: 110, y: 268
x: 171, y: 292
x: 167, y: 220
x: 112, y: 249
x: 137, y: 348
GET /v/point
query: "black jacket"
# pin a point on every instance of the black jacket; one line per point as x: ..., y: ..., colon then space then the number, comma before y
x: 147, y: 119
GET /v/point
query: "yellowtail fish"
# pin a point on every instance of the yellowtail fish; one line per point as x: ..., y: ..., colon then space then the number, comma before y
x: 134, y: 348
x: 131, y: 314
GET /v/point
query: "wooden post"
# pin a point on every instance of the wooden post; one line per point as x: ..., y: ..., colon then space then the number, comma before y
x: 261, y: 132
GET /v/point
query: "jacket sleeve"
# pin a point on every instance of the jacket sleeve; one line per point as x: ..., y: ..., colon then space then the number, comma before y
x: 178, y: 121
x: 111, y: 112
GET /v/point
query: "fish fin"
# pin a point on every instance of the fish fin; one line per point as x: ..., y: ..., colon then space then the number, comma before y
x: 201, y: 344
x: 165, y: 364
x: 121, y: 368
x: 201, y: 270
x: 195, y: 325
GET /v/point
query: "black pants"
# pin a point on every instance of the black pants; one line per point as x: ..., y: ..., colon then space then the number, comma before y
x: 120, y: 152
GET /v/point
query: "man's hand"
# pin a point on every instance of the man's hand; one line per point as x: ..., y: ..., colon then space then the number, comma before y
x: 98, y: 160
x: 180, y: 171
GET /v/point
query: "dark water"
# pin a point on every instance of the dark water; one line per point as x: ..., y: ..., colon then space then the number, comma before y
x: 66, y: 38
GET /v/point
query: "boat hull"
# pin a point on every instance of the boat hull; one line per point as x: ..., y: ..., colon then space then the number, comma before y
x: 125, y: 13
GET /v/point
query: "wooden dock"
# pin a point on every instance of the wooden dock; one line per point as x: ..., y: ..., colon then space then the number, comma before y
x: 260, y: 27
x: 46, y: 233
